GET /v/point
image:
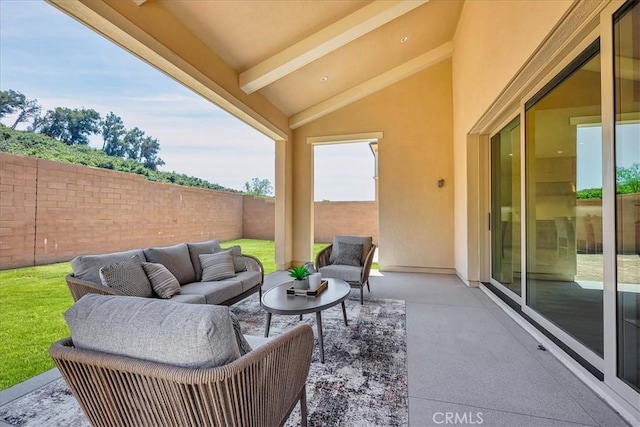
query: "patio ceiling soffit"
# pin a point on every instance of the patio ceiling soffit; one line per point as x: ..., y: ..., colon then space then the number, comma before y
x: 323, y: 42
x: 372, y: 85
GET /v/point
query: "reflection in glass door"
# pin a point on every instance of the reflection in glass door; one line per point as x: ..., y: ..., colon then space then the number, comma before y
x: 505, y: 207
x: 564, y: 201
x: 627, y: 149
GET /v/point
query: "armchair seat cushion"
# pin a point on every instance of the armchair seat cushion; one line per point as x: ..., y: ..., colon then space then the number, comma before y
x: 249, y: 279
x: 186, y: 335
x: 348, y: 273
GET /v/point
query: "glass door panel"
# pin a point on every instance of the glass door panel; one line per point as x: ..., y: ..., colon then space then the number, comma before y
x: 627, y: 148
x: 564, y: 201
x: 505, y: 207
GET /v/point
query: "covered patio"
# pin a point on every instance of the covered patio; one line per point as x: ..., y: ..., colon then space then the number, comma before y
x: 467, y: 357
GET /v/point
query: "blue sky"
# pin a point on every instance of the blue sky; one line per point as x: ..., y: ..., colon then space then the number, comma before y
x: 49, y: 56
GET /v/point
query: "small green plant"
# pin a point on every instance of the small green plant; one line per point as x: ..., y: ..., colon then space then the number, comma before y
x: 299, y: 273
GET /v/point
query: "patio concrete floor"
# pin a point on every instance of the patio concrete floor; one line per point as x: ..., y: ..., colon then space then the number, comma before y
x: 468, y: 361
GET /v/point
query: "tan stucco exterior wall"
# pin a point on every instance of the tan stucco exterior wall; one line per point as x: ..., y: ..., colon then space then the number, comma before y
x: 415, y: 216
x: 493, y: 40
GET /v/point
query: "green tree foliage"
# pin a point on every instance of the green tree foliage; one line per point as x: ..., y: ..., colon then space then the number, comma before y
x: 589, y: 193
x: 72, y: 127
x: 628, y: 179
x: 14, y: 102
x: 258, y: 187
x: 32, y: 144
x: 113, y: 131
x: 149, y: 153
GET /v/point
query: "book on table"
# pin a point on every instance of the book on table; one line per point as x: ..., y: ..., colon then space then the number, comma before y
x: 308, y: 292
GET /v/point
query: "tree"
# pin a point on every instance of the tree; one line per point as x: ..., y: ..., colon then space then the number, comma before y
x: 72, y: 127
x: 149, y: 153
x: 628, y: 179
x: 258, y: 187
x: 13, y: 102
x: 113, y: 132
x: 132, y: 143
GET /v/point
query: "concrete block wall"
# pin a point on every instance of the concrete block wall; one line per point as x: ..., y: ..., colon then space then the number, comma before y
x: 53, y: 211
x: 17, y: 210
x: 350, y: 218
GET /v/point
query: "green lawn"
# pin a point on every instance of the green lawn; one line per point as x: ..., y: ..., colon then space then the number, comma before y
x: 32, y: 303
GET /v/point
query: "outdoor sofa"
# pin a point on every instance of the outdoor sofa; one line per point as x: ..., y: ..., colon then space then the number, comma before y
x: 183, y: 261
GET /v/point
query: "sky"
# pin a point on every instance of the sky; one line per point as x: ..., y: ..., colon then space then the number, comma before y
x: 48, y: 56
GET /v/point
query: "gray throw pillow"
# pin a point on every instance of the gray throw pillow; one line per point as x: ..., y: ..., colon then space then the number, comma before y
x: 164, y: 284
x: 349, y: 254
x: 178, y: 334
x: 238, y: 260
x: 127, y: 277
x: 198, y: 248
x: 217, y: 266
x: 366, y: 243
x: 243, y: 345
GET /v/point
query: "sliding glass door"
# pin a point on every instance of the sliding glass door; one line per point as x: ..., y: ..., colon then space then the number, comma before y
x: 564, y: 201
x: 627, y: 167
x: 505, y: 207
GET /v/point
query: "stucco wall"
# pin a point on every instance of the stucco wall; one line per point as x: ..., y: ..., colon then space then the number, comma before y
x: 493, y: 40
x: 415, y: 216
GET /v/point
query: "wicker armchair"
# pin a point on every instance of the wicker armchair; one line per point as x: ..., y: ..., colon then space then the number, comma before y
x: 259, y: 389
x: 323, y: 259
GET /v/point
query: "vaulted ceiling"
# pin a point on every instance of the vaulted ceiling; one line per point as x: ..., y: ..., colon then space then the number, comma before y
x: 309, y: 58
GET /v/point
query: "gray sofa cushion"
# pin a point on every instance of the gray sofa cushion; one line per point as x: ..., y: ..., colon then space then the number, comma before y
x: 249, y: 279
x: 127, y: 277
x: 164, y: 284
x: 214, y: 292
x: 199, y: 248
x: 217, y: 266
x: 177, y: 260
x: 366, y: 243
x: 348, y: 273
x: 87, y: 267
x: 196, y: 336
x: 189, y: 299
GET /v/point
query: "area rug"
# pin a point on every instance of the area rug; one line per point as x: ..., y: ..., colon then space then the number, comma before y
x: 363, y: 381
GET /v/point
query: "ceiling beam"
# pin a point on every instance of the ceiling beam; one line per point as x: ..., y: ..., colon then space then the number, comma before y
x: 327, y: 40
x: 372, y: 85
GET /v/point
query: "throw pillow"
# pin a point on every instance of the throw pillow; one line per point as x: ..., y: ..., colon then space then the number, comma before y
x: 127, y: 277
x: 349, y: 254
x: 217, y: 266
x: 162, y: 281
x: 238, y: 260
x: 196, y: 249
x: 243, y: 345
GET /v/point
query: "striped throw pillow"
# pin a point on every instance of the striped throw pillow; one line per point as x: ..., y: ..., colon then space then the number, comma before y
x: 164, y: 284
x: 217, y: 266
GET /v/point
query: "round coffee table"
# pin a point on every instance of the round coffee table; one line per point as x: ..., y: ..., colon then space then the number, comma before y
x: 277, y: 301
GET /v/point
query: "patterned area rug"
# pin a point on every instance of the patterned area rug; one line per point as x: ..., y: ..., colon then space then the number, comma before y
x: 363, y: 381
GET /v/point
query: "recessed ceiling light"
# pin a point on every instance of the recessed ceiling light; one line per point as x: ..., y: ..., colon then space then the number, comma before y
x: 404, y: 39
x: 560, y: 152
x: 324, y: 78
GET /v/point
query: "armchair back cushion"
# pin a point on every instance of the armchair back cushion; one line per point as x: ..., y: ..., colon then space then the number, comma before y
x: 177, y: 260
x: 87, y: 267
x: 366, y: 243
x: 186, y: 335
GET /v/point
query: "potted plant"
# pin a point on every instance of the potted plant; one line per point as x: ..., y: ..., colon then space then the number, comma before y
x: 300, y: 277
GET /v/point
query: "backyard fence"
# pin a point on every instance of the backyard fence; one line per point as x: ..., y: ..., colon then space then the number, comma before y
x: 53, y: 211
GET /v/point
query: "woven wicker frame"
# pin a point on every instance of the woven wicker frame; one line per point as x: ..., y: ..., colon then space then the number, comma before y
x: 79, y: 287
x: 324, y: 255
x: 259, y: 389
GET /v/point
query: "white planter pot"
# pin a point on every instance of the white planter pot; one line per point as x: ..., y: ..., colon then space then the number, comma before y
x: 301, y: 284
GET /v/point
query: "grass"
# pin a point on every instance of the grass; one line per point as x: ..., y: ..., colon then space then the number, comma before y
x: 32, y: 303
